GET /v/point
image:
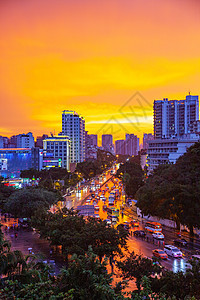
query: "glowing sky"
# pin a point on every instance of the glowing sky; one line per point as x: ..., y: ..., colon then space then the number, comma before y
x: 92, y: 57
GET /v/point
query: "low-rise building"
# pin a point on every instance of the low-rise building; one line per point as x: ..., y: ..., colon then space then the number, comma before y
x: 56, y: 152
x: 166, y: 151
x: 13, y: 161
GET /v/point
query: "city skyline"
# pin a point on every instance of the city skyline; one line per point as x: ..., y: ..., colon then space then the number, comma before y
x: 92, y: 58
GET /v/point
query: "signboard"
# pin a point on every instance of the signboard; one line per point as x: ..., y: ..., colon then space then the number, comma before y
x: 3, y: 164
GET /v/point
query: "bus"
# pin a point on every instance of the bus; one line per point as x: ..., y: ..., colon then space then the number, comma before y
x: 153, y: 227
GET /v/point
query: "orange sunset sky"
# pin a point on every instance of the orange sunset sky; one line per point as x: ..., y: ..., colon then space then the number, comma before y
x: 108, y: 60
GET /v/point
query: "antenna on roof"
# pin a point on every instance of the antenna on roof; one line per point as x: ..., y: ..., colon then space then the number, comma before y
x: 189, y: 92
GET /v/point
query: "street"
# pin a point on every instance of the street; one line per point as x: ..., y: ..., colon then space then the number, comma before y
x: 82, y: 195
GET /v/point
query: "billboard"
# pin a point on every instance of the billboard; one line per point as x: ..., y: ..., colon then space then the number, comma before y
x: 3, y: 164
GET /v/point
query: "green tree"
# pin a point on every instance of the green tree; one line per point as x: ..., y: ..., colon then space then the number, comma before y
x: 88, y: 278
x: 136, y: 267
x: 173, y: 191
x: 132, y: 176
x: 27, y: 202
x: 75, y: 234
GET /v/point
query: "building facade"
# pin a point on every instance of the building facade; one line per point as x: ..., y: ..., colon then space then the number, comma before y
x: 147, y: 137
x: 24, y: 140
x: 73, y: 126
x: 1, y: 142
x: 107, y: 142
x: 132, y: 144
x: 172, y: 118
x: 120, y: 147
x: 56, y: 152
x: 166, y: 151
x: 13, y: 161
x: 195, y: 127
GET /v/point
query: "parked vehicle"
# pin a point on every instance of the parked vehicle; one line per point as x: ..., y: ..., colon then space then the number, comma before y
x: 158, y: 235
x: 173, y: 251
x: 196, y: 257
x: 104, y: 207
x: 180, y: 242
x: 160, y: 254
x: 96, y: 208
x: 140, y: 233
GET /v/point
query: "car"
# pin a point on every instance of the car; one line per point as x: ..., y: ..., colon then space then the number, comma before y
x: 134, y: 223
x: 173, y: 251
x: 140, y: 233
x: 104, y: 207
x: 87, y: 201
x: 108, y: 221
x: 96, y: 208
x: 126, y: 225
x: 158, y: 235
x: 196, y: 257
x: 180, y: 242
x: 160, y: 253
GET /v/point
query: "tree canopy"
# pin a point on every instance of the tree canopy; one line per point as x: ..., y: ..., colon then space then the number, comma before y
x: 173, y: 191
x: 132, y: 176
x: 75, y: 234
x: 27, y: 202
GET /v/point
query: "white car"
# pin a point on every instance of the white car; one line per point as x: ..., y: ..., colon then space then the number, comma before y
x: 158, y: 235
x: 173, y: 251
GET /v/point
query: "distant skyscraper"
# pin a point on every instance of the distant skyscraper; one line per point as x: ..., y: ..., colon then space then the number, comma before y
x: 120, y: 146
x: 73, y: 126
x: 173, y: 117
x: 146, y: 138
x: 1, y: 142
x: 90, y: 140
x: 132, y: 144
x: 107, y: 142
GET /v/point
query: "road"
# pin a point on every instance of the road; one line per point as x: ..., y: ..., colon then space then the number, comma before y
x: 31, y: 239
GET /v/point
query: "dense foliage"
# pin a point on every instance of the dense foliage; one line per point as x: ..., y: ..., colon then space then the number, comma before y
x: 75, y: 234
x: 173, y: 191
x: 94, y: 167
x: 27, y: 202
x: 47, y: 178
x: 132, y: 176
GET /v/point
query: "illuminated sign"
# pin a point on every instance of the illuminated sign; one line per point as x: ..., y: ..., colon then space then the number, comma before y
x: 3, y: 164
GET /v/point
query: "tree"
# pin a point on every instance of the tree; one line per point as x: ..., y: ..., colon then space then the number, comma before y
x: 88, y: 278
x: 136, y: 267
x: 27, y: 202
x: 132, y: 176
x: 173, y: 191
x: 5, y: 193
x: 75, y: 234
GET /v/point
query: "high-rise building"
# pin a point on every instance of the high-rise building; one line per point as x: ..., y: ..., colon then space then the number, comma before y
x: 120, y: 146
x: 132, y: 144
x: 56, y: 152
x: 90, y: 139
x: 195, y: 127
x: 147, y: 137
x: 107, y: 142
x: 90, y: 146
x: 1, y: 142
x: 73, y: 126
x: 24, y: 140
x: 173, y: 117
